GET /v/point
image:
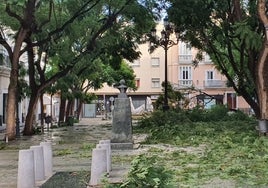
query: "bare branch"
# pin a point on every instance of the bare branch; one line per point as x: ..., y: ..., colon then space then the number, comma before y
x: 262, y: 12
x: 5, y: 44
x: 80, y: 12
x: 49, y: 16
x: 13, y: 14
x: 108, y: 24
x: 237, y: 12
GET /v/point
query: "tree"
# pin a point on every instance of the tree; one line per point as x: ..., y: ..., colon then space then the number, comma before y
x: 262, y: 63
x: 77, y: 84
x: 38, y: 25
x: 14, y: 55
x: 174, y: 97
x: 232, y: 33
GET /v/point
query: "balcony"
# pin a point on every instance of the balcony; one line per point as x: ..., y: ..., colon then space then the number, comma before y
x: 214, y: 84
x: 185, y: 59
x: 4, y: 71
x: 207, y: 60
x: 182, y: 84
x: 4, y: 60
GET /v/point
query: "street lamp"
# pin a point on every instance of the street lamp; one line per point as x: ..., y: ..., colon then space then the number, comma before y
x: 165, y: 42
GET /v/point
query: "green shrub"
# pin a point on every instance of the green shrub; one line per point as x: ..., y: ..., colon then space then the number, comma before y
x: 70, y: 121
x: 189, y: 126
x: 160, y: 118
x: 239, y: 115
x: 216, y: 113
x: 196, y: 114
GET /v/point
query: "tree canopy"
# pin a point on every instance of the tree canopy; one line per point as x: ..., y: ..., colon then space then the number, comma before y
x: 232, y: 34
x: 67, y: 35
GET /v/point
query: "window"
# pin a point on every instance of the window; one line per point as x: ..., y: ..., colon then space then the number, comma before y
x: 185, y: 77
x: 207, y: 58
x: 135, y: 63
x: 185, y: 52
x: 186, y: 73
x: 137, y: 81
x: 155, y: 82
x: 185, y: 48
x: 209, y: 75
x: 2, y: 59
x: 155, y: 61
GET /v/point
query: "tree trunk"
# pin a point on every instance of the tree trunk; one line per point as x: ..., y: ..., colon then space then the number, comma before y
x: 68, y: 110
x: 262, y: 84
x: 42, y: 115
x: 79, y: 109
x: 29, y: 123
x: 262, y: 67
x: 62, y: 110
x: 11, y: 107
x: 13, y: 86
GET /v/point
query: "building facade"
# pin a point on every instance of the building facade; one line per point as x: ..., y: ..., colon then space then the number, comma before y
x: 201, y: 84
x: 5, y: 68
x: 4, y: 81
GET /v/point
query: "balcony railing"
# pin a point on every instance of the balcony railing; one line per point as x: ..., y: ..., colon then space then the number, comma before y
x: 5, y: 71
x: 214, y: 84
x: 183, y: 84
x: 185, y: 58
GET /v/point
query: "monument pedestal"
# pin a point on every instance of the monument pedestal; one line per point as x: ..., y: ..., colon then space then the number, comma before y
x: 122, y: 146
x: 122, y: 125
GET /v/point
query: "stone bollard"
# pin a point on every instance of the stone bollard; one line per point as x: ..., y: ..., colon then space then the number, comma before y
x: 38, y: 162
x: 104, y: 141
x: 26, y: 175
x: 109, y: 150
x: 48, y: 164
x: 106, y: 144
x: 98, y: 165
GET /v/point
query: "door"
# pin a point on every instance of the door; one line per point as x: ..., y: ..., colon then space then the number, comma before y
x: 90, y: 110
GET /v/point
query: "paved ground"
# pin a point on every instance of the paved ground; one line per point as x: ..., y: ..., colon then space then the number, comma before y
x: 71, y: 150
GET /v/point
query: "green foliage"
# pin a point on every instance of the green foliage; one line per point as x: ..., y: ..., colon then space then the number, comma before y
x: 88, y: 98
x: 192, y: 125
x: 146, y: 172
x: 173, y: 97
x: 124, y: 72
x: 216, y: 113
x: 162, y: 119
x: 70, y: 120
x: 2, y: 145
x: 204, y: 148
x: 252, y: 39
x: 87, y: 147
x: 64, y: 152
x: 69, y: 36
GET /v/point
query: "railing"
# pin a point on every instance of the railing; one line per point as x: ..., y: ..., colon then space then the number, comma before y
x: 5, y: 71
x: 4, y: 61
x: 185, y: 58
x: 183, y: 84
x: 214, y: 84
x: 207, y: 59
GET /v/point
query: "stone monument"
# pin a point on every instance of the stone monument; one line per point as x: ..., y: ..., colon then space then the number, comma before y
x: 122, y: 122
